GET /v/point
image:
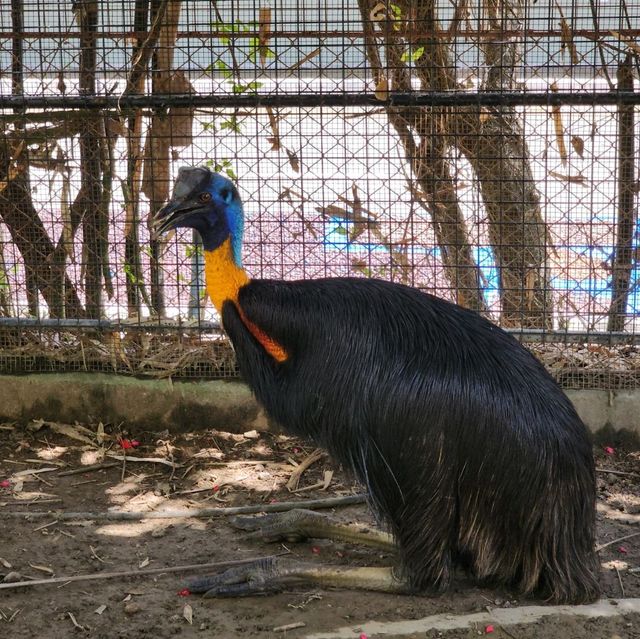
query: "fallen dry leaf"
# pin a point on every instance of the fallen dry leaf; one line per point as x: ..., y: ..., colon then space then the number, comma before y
x: 187, y: 613
x: 46, y: 569
x: 382, y: 89
x: 578, y: 145
x: 70, y: 431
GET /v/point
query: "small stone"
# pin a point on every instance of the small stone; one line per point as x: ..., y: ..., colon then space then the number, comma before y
x: 132, y: 608
x: 12, y: 577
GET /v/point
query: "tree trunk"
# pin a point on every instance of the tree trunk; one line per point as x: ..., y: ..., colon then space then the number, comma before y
x: 494, y: 143
x: 426, y: 149
x: 623, y: 257
x: 132, y: 262
x: 156, y: 177
x: 89, y: 202
x: 29, y: 235
x: 42, y: 272
x: 6, y: 304
x: 491, y: 139
x: 22, y: 163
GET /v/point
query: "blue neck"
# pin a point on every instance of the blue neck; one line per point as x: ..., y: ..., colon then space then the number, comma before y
x: 235, y: 222
x: 216, y: 229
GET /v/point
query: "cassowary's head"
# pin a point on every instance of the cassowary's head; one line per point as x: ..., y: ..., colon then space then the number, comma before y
x: 207, y: 202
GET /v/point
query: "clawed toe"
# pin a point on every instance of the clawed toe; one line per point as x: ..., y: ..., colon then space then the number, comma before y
x: 256, y: 578
x: 294, y: 525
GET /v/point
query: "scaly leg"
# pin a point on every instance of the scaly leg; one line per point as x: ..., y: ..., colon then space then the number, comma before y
x: 273, y: 575
x: 299, y: 524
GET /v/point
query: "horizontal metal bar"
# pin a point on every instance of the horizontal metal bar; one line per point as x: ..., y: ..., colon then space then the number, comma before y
x: 311, y: 100
x: 525, y: 335
x: 32, y: 323
x: 349, y: 34
x: 530, y: 336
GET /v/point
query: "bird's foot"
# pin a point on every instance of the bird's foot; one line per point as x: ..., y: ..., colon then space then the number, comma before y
x: 260, y: 577
x: 272, y: 574
x: 300, y: 524
x: 294, y: 525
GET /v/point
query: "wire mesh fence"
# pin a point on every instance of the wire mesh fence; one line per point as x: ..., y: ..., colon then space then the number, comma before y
x: 484, y: 151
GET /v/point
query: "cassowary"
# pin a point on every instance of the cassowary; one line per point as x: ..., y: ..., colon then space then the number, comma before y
x: 471, y: 454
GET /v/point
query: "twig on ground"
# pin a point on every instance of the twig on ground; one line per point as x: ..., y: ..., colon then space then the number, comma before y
x: 220, y: 565
x: 620, y: 581
x: 150, y: 460
x: 617, y: 472
x: 198, y: 513
x: 51, y: 523
x: 75, y: 623
x: 615, y: 541
x: 95, y: 554
x: 292, y: 484
x: 290, y: 626
x: 33, y: 471
x: 87, y: 469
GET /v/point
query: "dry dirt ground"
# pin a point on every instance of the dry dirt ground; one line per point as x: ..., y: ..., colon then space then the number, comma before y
x: 214, y: 469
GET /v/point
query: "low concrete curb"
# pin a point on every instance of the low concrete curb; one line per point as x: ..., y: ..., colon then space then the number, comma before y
x: 145, y: 404
x: 498, y: 616
x: 228, y: 405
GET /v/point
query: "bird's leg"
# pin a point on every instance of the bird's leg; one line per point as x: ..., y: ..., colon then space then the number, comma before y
x: 271, y: 575
x: 299, y: 524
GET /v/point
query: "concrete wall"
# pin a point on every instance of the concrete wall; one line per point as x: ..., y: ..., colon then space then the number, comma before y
x: 157, y: 405
x: 153, y: 405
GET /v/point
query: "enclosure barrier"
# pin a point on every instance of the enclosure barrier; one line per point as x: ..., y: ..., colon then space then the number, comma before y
x: 484, y: 152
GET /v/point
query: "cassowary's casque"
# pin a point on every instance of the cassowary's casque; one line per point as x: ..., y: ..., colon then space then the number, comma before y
x: 470, y: 452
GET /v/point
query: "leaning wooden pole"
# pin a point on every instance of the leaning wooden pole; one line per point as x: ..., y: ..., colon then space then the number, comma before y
x: 133, y: 264
x: 626, y: 222
x: 92, y: 135
x: 156, y: 175
x: 22, y: 164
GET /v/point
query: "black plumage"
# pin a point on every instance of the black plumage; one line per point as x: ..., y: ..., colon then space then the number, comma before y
x: 469, y: 449
x: 471, y: 453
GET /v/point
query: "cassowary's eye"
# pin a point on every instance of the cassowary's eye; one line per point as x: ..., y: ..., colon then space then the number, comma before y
x: 205, y: 197
x: 226, y: 195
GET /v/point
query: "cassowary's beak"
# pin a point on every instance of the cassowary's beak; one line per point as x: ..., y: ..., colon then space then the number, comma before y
x: 165, y: 219
x: 190, y: 181
x: 171, y: 216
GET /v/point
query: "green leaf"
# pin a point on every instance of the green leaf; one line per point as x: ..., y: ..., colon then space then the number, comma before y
x: 412, y: 55
x: 193, y: 251
x: 225, y: 69
x: 342, y: 231
x: 131, y: 276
